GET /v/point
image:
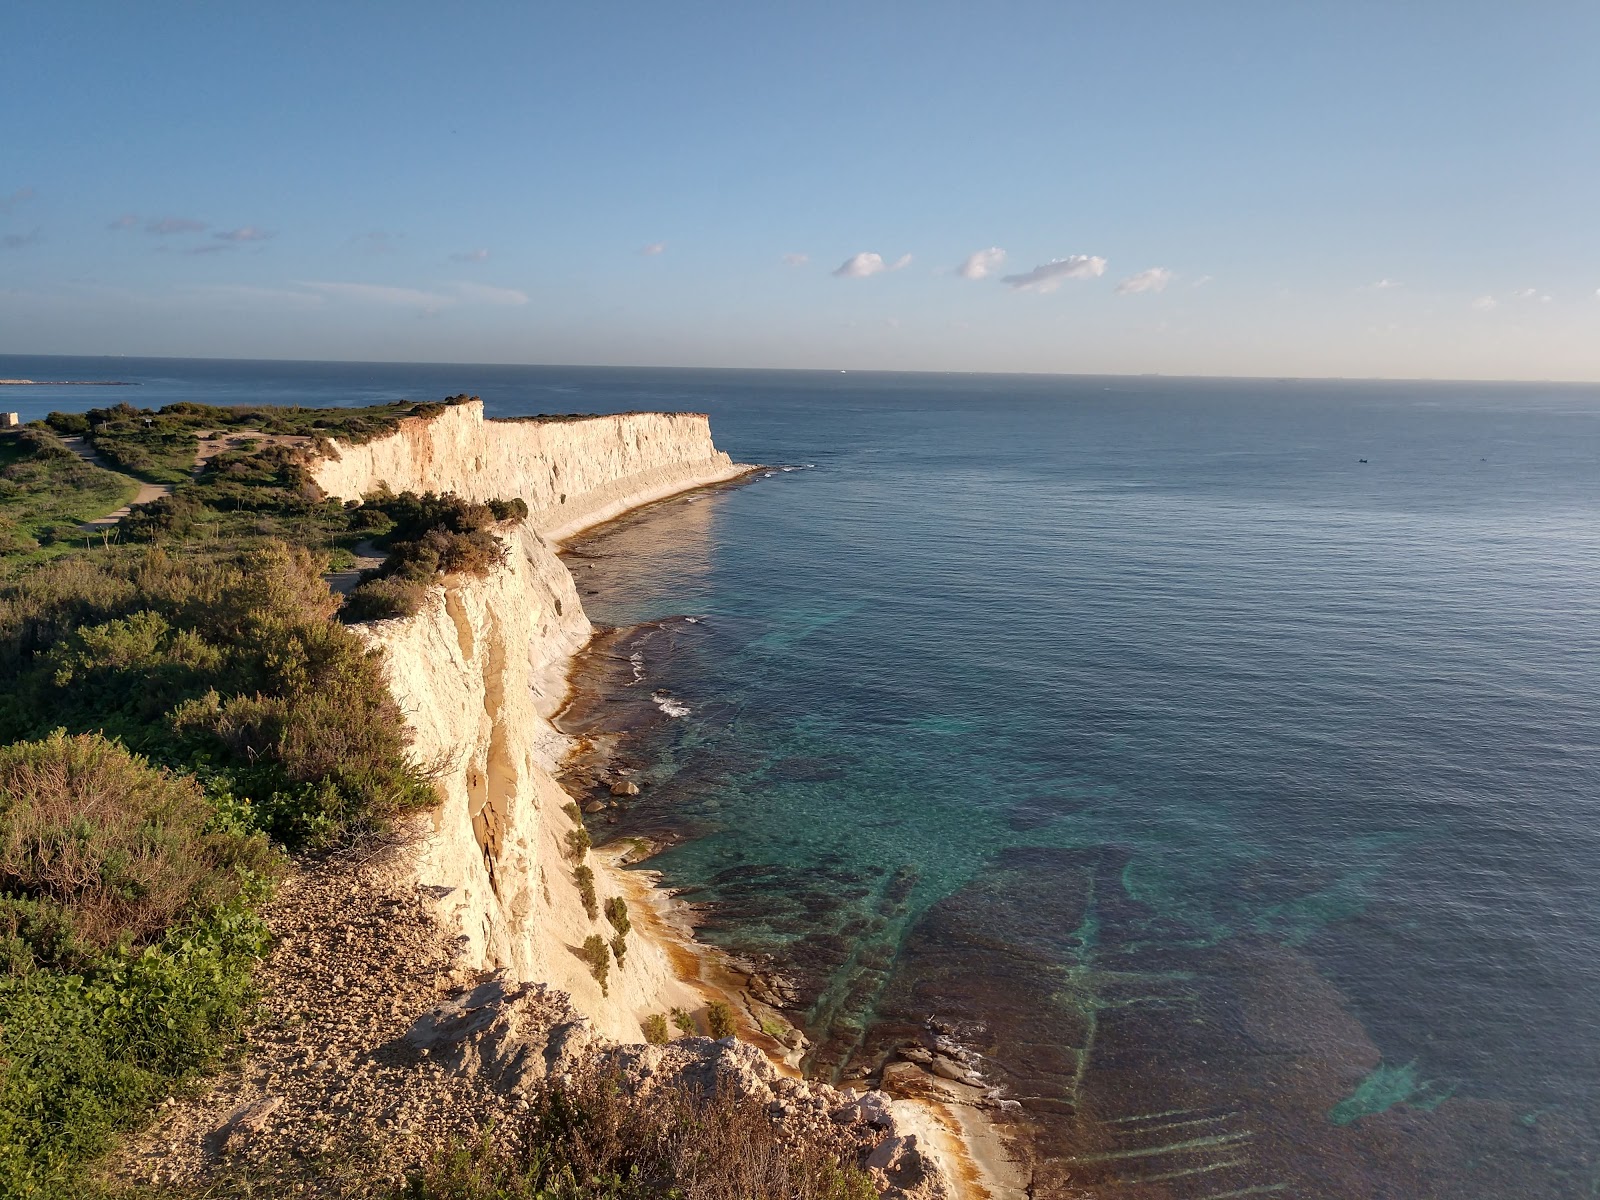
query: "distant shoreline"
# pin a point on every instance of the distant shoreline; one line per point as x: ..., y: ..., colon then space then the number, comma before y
x: 67, y: 383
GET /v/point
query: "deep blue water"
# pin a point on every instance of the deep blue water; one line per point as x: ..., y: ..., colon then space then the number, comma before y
x: 1237, y: 799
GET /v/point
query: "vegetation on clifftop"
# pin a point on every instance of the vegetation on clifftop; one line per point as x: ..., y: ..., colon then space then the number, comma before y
x: 176, y: 696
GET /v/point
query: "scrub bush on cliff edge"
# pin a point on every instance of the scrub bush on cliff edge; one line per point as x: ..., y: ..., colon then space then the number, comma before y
x: 228, y: 665
x: 591, y: 1140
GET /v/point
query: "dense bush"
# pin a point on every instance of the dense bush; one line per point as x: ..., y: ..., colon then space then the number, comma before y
x: 125, y: 947
x: 719, y: 1020
x: 617, y: 914
x: 591, y: 1140
x: 231, y: 666
x: 429, y: 535
x: 99, y: 850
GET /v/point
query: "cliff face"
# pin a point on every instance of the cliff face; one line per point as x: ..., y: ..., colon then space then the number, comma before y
x: 572, y: 473
x: 481, y: 668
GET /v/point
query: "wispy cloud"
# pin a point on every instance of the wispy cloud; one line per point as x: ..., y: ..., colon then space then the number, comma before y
x: 470, y: 256
x: 653, y: 249
x: 860, y: 266
x: 20, y: 196
x: 1202, y: 281
x: 125, y: 221
x: 1484, y: 304
x: 419, y: 300
x: 16, y: 241
x: 796, y: 260
x: 1385, y: 285
x: 245, y: 233
x: 980, y: 264
x: 482, y: 293
x: 163, y: 226
x: 1154, y: 279
x: 382, y: 295
x: 1047, y: 277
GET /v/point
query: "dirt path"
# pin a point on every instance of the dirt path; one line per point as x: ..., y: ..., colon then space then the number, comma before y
x: 368, y: 557
x: 147, y: 491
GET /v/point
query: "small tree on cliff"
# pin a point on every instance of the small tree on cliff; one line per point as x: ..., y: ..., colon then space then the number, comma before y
x: 598, y: 956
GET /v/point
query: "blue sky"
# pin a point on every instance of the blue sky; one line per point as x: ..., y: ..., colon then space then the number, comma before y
x: 1223, y: 188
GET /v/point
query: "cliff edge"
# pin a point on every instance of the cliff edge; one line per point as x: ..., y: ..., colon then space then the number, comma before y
x: 481, y: 669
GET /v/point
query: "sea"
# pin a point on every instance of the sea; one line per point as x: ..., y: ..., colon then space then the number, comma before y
x: 1213, y: 761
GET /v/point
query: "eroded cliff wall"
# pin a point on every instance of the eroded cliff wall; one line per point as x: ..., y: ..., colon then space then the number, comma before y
x: 573, y: 472
x: 481, y: 669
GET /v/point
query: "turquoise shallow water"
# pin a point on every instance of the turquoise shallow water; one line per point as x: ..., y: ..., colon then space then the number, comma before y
x: 1234, y: 798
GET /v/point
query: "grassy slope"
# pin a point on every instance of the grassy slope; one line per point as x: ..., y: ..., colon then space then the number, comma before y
x: 46, y: 492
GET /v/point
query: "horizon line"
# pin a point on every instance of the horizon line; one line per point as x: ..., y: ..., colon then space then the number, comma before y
x: 1272, y: 378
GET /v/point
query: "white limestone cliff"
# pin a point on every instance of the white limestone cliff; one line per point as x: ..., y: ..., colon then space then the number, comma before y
x: 481, y: 668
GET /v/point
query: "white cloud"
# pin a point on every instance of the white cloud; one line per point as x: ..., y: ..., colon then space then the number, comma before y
x: 125, y: 221
x: 245, y: 233
x: 1155, y: 279
x: 653, y: 249
x: 1202, y: 281
x: 1524, y: 294
x: 796, y: 260
x: 1483, y: 304
x: 1384, y: 285
x: 479, y: 255
x: 383, y: 295
x: 1047, y: 277
x: 859, y: 266
x: 482, y: 293
x: 982, y: 263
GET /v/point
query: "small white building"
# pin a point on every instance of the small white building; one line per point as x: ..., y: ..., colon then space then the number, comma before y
x: 10, y: 420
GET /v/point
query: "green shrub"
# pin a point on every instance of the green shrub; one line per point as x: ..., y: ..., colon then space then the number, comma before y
x: 68, y: 424
x: 598, y: 955
x: 572, y: 811
x: 719, y: 1020
x: 126, y: 943
x: 578, y: 842
x: 584, y: 878
x: 655, y: 1029
x: 385, y: 598
x: 114, y: 850
x: 684, y: 1022
x: 619, y: 948
x: 617, y: 914
x: 228, y: 664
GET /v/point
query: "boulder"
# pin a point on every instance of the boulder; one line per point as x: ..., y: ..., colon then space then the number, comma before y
x: 509, y: 1034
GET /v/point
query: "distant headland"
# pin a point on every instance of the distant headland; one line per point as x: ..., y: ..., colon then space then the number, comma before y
x: 67, y: 383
